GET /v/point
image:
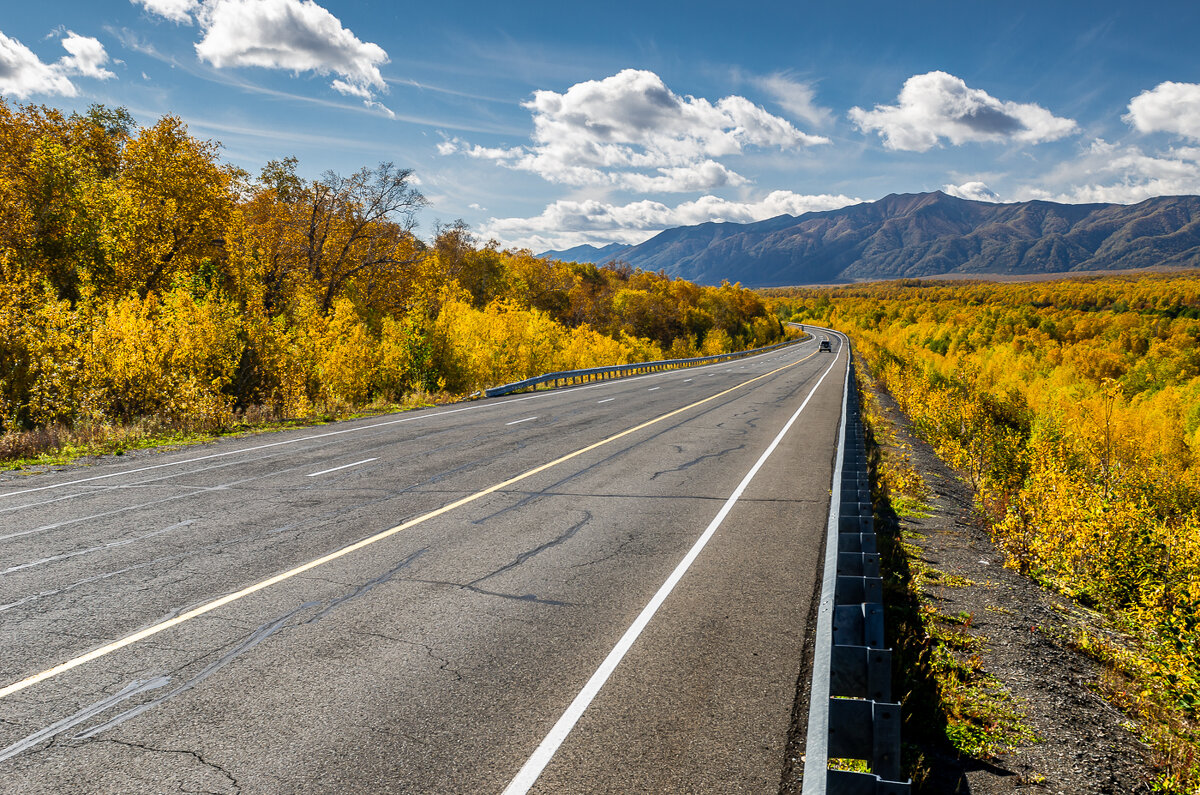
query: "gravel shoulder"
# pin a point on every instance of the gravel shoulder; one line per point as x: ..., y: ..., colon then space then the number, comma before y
x: 1082, y: 743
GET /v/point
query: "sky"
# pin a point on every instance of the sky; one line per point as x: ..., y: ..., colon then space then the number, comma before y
x: 544, y: 125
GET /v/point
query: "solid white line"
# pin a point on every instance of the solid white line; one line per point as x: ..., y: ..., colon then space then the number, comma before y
x: 343, y: 466
x: 817, y: 748
x: 518, y: 422
x: 533, y: 767
x: 606, y: 400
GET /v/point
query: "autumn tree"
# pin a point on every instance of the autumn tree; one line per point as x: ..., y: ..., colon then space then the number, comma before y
x: 358, y: 228
x: 176, y: 201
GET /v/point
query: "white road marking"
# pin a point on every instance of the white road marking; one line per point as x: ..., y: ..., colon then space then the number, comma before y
x: 550, y: 393
x: 518, y: 422
x: 686, y: 380
x: 337, y: 554
x: 533, y: 767
x: 651, y: 389
x: 343, y: 466
x: 606, y: 400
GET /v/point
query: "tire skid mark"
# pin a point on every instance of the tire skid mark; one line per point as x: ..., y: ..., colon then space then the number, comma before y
x: 257, y: 636
x: 130, y: 690
x: 98, y: 548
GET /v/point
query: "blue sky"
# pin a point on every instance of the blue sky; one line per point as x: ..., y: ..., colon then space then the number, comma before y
x: 544, y: 125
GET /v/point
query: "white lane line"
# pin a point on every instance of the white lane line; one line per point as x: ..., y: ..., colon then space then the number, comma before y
x: 373, y: 426
x: 651, y: 389
x: 686, y: 380
x: 518, y: 422
x: 343, y: 466
x: 606, y: 400
x: 534, y: 766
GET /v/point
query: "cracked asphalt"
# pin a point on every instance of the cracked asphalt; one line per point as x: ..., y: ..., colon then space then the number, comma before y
x: 434, y: 659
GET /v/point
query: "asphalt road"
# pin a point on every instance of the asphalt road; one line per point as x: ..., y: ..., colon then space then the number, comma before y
x: 435, y: 601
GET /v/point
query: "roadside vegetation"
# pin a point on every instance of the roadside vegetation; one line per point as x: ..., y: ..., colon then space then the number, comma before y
x: 950, y: 703
x: 152, y: 292
x: 1073, y: 409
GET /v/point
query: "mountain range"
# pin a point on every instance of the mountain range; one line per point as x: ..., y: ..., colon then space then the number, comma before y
x: 920, y: 234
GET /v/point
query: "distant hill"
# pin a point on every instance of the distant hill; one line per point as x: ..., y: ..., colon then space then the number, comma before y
x: 929, y: 234
x: 597, y: 255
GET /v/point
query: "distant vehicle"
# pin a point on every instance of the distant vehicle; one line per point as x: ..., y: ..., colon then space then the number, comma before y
x: 824, y: 346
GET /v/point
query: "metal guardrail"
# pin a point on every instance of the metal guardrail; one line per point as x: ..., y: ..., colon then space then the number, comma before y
x: 851, y: 712
x: 619, y: 370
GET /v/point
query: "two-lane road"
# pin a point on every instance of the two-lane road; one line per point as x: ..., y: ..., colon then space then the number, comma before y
x: 603, y: 588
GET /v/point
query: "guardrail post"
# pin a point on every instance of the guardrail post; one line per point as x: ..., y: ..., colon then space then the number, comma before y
x: 852, y: 715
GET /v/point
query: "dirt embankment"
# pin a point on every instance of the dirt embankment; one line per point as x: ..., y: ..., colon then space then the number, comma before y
x: 1014, y: 634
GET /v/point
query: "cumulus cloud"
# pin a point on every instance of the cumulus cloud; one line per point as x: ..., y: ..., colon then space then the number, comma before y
x: 938, y: 105
x: 631, y: 131
x: 23, y: 74
x: 178, y: 11
x: 566, y: 223
x: 1168, y: 107
x: 294, y: 35
x: 975, y: 191
x: 1107, y: 172
x: 87, y: 57
x: 796, y: 97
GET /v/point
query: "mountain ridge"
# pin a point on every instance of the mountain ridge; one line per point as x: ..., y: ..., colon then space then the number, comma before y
x: 912, y: 235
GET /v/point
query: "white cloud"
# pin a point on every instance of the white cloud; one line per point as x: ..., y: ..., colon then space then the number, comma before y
x: 295, y: 35
x: 937, y: 105
x: 796, y: 97
x: 179, y: 11
x: 1107, y: 172
x: 631, y: 131
x: 1168, y: 107
x: 87, y: 57
x: 565, y: 223
x: 975, y: 191
x: 23, y: 74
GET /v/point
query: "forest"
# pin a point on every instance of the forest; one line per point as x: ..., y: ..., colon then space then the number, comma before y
x: 1073, y: 408
x: 147, y: 281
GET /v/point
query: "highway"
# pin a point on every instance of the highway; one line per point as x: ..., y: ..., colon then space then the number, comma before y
x: 604, y: 588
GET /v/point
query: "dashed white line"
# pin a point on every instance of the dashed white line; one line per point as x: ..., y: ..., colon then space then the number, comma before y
x: 651, y: 389
x: 686, y: 380
x: 518, y: 422
x: 343, y: 466
x: 606, y: 400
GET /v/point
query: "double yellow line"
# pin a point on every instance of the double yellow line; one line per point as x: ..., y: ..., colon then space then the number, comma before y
x: 208, y: 607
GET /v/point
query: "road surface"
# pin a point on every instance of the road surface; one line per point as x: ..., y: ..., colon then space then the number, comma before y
x: 604, y: 588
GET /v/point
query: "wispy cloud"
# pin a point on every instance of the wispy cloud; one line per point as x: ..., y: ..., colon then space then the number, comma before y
x: 797, y: 97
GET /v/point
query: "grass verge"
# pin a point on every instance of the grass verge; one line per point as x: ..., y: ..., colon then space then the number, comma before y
x: 57, y: 445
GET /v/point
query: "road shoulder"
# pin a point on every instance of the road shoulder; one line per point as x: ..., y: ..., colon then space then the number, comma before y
x: 1003, y: 678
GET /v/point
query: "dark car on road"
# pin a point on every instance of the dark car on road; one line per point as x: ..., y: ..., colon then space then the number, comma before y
x: 824, y: 346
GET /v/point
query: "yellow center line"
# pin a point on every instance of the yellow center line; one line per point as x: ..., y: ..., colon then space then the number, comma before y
x: 208, y: 607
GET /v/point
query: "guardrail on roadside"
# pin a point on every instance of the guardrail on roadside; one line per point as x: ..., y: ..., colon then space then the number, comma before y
x: 851, y: 711
x: 619, y: 370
